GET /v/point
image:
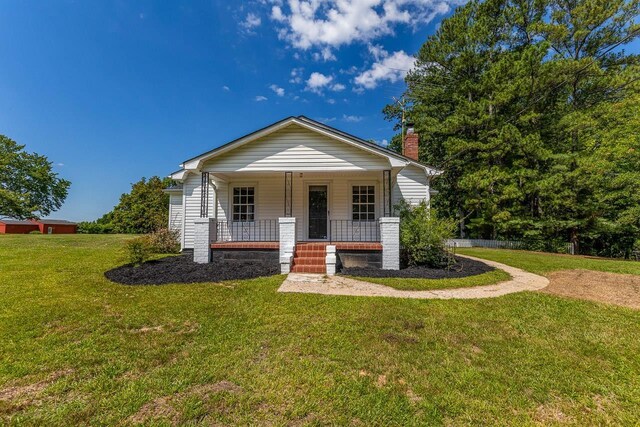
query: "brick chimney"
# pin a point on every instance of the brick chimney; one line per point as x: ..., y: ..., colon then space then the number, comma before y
x: 410, y: 143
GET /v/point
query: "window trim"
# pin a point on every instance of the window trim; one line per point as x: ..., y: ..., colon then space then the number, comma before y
x: 376, y: 204
x: 239, y: 184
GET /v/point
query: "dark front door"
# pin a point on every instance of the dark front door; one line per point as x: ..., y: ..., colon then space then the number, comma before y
x: 317, y: 212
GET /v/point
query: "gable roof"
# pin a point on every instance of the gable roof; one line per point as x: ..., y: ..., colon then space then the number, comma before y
x: 36, y: 222
x: 16, y: 222
x: 55, y: 221
x: 396, y: 159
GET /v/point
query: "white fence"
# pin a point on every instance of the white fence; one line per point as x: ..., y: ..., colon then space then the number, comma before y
x: 497, y: 244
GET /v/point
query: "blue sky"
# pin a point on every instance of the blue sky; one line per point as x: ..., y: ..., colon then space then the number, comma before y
x: 112, y: 91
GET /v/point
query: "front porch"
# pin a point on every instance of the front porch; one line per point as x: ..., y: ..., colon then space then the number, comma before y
x: 308, y: 257
x: 375, y: 244
x: 334, y: 213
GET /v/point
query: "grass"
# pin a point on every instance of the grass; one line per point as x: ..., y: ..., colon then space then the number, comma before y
x: 93, y: 352
x: 543, y: 263
x: 414, y: 284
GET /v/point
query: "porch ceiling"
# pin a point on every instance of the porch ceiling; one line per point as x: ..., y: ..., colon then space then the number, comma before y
x: 231, y: 176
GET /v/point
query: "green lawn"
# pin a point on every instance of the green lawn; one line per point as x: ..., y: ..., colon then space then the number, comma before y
x: 412, y: 284
x: 93, y: 352
x: 542, y: 263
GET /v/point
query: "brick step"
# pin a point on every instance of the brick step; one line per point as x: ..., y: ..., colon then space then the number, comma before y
x: 312, y: 246
x: 308, y: 260
x: 310, y: 253
x: 317, y: 269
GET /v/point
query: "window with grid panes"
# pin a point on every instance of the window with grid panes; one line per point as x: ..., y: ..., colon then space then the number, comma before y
x: 363, y: 203
x: 243, y: 204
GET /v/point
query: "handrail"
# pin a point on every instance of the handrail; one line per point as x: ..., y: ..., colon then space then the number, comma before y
x: 346, y: 230
x: 262, y: 230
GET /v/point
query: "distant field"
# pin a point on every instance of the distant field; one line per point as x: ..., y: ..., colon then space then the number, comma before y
x: 77, y: 349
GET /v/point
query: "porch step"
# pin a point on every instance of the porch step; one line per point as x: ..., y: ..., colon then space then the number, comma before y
x: 310, y: 258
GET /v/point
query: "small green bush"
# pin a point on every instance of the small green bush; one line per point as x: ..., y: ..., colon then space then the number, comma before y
x: 423, y: 235
x: 93, y: 227
x: 35, y: 232
x: 165, y: 241
x: 138, y: 250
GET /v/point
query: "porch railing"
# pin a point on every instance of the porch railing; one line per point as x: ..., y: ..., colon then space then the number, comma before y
x: 263, y: 230
x: 346, y: 230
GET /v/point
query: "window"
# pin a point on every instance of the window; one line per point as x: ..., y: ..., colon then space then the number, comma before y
x: 364, y: 203
x: 243, y: 203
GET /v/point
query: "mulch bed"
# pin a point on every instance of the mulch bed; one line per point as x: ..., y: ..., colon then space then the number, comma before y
x: 464, y: 267
x: 182, y: 269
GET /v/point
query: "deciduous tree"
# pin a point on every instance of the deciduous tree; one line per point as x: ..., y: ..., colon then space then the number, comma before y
x: 28, y: 186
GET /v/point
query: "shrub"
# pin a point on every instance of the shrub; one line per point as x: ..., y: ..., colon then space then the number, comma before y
x: 35, y: 232
x: 93, y: 227
x: 423, y: 235
x: 138, y: 250
x: 165, y: 241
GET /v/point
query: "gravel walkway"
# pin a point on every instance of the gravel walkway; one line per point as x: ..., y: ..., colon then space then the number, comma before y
x: 338, y: 285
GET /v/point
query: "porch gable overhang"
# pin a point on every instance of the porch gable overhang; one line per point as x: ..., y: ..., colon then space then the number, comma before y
x: 396, y: 161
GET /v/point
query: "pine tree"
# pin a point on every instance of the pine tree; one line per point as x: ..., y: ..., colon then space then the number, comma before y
x: 510, y: 98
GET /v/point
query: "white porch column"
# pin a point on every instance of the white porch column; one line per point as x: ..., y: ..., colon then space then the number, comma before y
x: 287, y: 239
x: 330, y: 260
x: 390, y: 239
x: 204, y: 234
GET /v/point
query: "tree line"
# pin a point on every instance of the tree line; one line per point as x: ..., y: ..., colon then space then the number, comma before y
x: 532, y: 110
x: 145, y: 209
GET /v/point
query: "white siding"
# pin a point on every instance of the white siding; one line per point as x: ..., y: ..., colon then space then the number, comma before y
x: 411, y: 185
x: 175, y: 212
x: 295, y: 148
x: 191, y: 189
x: 270, y: 195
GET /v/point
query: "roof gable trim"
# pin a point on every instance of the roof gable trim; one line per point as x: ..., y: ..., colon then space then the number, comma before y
x: 196, y: 162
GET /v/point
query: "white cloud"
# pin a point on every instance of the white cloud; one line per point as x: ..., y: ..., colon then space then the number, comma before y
x: 260, y: 98
x: 318, y: 81
x: 326, y: 119
x: 296, y: 75
x: 331, y: 101
x: 332, y: 23
x: 278, y: 90
x: 226, y: 88
x: 387, y: 67
x: 325, y: 54
x: 383, y: 143
x: 276, y: 14
x: 251, y: 21
x: 338, y: 87
x: 352, y: 119
x: 60, y: 164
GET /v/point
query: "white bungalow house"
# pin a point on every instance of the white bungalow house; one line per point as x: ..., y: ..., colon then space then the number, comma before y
x: 300, y: 191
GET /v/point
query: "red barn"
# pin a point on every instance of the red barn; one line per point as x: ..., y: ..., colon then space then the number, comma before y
x: 13, y: 226
x: 56, y: 226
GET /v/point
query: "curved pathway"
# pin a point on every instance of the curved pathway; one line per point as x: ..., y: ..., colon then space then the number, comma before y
x: 340, y: 285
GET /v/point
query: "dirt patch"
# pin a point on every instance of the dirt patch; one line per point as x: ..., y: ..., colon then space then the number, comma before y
x: 464, y: 267
x: 393, y: 338
x: 182, y: 269
x: 165, y: 407
x: 146, y: 329
x: 29, y: 392
x: 612, y: 288
x: 553, y: 412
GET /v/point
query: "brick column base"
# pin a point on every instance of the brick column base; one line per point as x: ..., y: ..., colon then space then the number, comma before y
x: 330, y: 260
x: 390, y: 240
x: 204, y: 234
x: 287, y: 237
